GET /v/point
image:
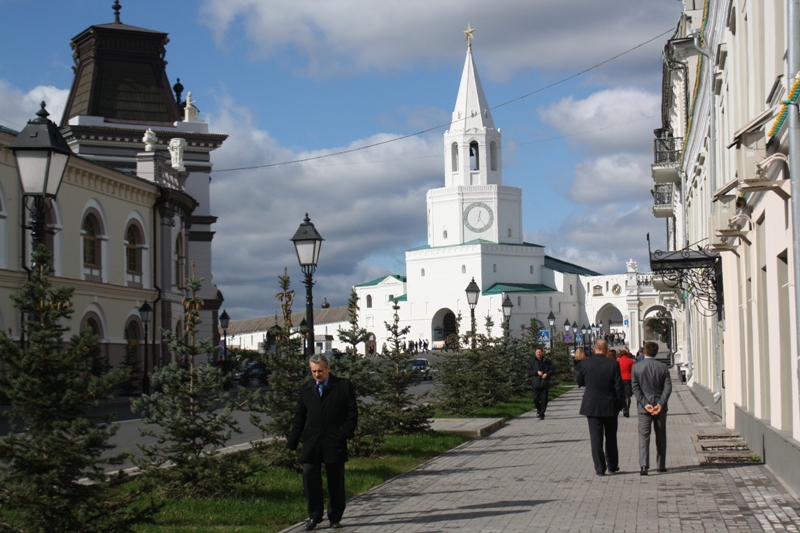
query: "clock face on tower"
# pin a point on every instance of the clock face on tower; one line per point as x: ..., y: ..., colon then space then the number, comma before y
x: 478, y: 217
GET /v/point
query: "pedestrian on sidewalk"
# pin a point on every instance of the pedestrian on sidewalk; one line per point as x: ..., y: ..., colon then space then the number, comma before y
x: 540, y: 370
x: 601, y: 404
x: 652, y: 387
x: 326, y: 416
x: 625, y: 364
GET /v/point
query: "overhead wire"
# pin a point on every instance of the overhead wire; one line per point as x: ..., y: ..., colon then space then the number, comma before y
x: 433, y: 128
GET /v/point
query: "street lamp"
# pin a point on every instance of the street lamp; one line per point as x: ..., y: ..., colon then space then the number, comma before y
x: 574, y: 335
x: 507, y: 306
x: 42, y: 155
x: 551, y: 318
x: 145, y: 313
x: 594, y: 334
x: 473, y: 292
x: 224, y: 322
x: 307, y: 243
x: 583, y: 332
x: 600, y: 329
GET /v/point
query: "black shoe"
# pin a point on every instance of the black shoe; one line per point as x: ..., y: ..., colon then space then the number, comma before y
x: 614, y: 470
x: 626, y: 415
x: 643, y: 471
x: 311, y: 524
x: 336, y: 525
x: 662, y: 469
x: 600, y: 473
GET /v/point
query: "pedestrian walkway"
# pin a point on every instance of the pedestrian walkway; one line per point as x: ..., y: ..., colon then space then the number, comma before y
x: 537, y: 475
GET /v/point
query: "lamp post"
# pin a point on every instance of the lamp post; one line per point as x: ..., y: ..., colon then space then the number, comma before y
x: 600, y: 329
x: 583, y: 332
x: 307, y: 243
x: 473, y: 292
x: 507, y: 307
x: 42, y: 155
x: 574, y: 336
x: 566, y: 327
x: 224, y: 322
x: 551, y: 318
x: 145, y: 313
x: 594, y: 334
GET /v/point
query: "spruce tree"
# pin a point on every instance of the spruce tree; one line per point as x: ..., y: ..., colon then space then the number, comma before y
x: 133, y: 383
x: 401, y: 410
x: 288, y: 370
x: 185, y: 416
x: 362, y: 372
x: 53, y: 442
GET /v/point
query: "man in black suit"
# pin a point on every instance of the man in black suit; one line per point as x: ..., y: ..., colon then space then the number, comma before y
x: 602, y: 402
x: 540, y: 370
x: 652, y: 387
x: 326, y: 416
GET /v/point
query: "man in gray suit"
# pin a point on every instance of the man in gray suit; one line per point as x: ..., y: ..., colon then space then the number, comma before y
x: 651, y: 386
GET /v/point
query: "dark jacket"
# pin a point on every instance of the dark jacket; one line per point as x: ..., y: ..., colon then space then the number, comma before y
x: 534, y: 366
x: 605, y: 393
x: 326, y: 422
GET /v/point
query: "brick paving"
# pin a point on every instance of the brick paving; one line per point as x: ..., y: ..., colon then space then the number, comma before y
x: 537, y: 475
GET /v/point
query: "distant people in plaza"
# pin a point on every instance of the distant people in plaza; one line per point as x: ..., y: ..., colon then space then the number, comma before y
x: 602, y: 401
x: 640, y: 354
x: 425, y: 346
x: 652, y: 387
x: 384, y: 350
x: 371, y: 350
x: 625, y: 364
x: 326, y: 416
x: 540, y: 370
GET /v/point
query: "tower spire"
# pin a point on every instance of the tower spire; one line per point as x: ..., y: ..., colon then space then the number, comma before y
x: 116, y: 7
x: 472, y: 108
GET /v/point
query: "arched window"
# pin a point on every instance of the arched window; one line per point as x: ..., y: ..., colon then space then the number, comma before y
x: 474, y: 156
x: 606, y: 286
x: 463, y: 269
x: 422, y: 273
x: 180, y: 261
x: 509, y: 232
x: 493, y: 156
x: 551, y: 302
x: 92, y: 267
x: 531, y: 269
x: 454, y: 155
x: 494, y: 267
x: 134, y: 242
x: 369, y: 301
x: 444, y: 234
x: 519, y: 301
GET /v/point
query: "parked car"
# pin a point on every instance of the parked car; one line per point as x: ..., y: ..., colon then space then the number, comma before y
x: 252, y: 370
x: 421, y: 368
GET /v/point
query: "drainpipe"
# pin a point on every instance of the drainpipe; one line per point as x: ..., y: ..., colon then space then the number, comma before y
x: 793, y: 60
x: 712, y: 172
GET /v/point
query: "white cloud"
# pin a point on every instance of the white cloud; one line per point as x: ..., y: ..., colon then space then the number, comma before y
x: 603, y: 238
x: 615, y: 178
x: 18, y: 107
x: 612, y: 120
x: 346, y: 36
x: 362, y: 203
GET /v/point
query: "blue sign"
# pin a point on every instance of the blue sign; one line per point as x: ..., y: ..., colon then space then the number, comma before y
x: 543, y: 336
x: 568, y: 338
x: 579, y: 338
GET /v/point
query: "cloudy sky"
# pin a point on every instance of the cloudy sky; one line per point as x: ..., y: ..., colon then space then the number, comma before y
x: 302, y: 80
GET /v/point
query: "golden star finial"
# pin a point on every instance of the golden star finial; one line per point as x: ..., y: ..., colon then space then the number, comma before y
x: 468, y: 33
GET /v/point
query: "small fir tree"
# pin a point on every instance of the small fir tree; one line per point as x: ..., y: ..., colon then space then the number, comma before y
x: 53, y: 443
x: 186, y: 410
x: 361, y: 372
x: 288, y: 370
x: 133, y: 384
x: 401, y: 410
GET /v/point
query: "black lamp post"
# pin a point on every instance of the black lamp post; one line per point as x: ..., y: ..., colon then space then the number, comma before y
x: 600, y: 329
x: 574, y: 335
x: 224, y: 322
x: 307, y: 242
x: 42, y: 155
x: 145, y: 314
x: 507, y: 307
x: 583, y: 332
x: 473, y: 292
x: 594, y: 334
x: 551, y: 319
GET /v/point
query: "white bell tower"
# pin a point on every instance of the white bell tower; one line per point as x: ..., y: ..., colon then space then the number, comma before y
x: 474, y: 204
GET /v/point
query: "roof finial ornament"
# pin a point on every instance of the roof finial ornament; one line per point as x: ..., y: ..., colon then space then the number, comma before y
x: 116, y: 7
x: 468, y: 33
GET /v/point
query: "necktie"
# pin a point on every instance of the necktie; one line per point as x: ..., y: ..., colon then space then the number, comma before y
x: 321, y: 388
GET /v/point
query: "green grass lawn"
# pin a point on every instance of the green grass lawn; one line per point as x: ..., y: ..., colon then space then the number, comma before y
x: 274, y: 499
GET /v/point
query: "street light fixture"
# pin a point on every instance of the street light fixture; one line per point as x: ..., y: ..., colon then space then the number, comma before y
x: 566, y: 326
x: 507, y: 307
x: 145, y: 314
x: 224, y: 322
x: 574, y: 335
x: 594, y: 333
x: 583, y: 332
x: 551, y: 319
x: 307, y: 243
x: 42, y: 155
x: 473, y: 292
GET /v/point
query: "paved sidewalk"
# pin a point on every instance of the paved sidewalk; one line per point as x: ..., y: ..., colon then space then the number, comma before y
x: 537, y: 475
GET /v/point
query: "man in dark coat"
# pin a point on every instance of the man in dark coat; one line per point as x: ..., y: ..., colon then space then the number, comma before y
x: 602, y: 402
x: 540, y: 370
x: 326, y: 416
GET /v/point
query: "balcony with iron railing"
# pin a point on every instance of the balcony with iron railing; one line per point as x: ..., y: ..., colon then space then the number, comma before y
x: 663, y: 200
x: 666, y: 159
